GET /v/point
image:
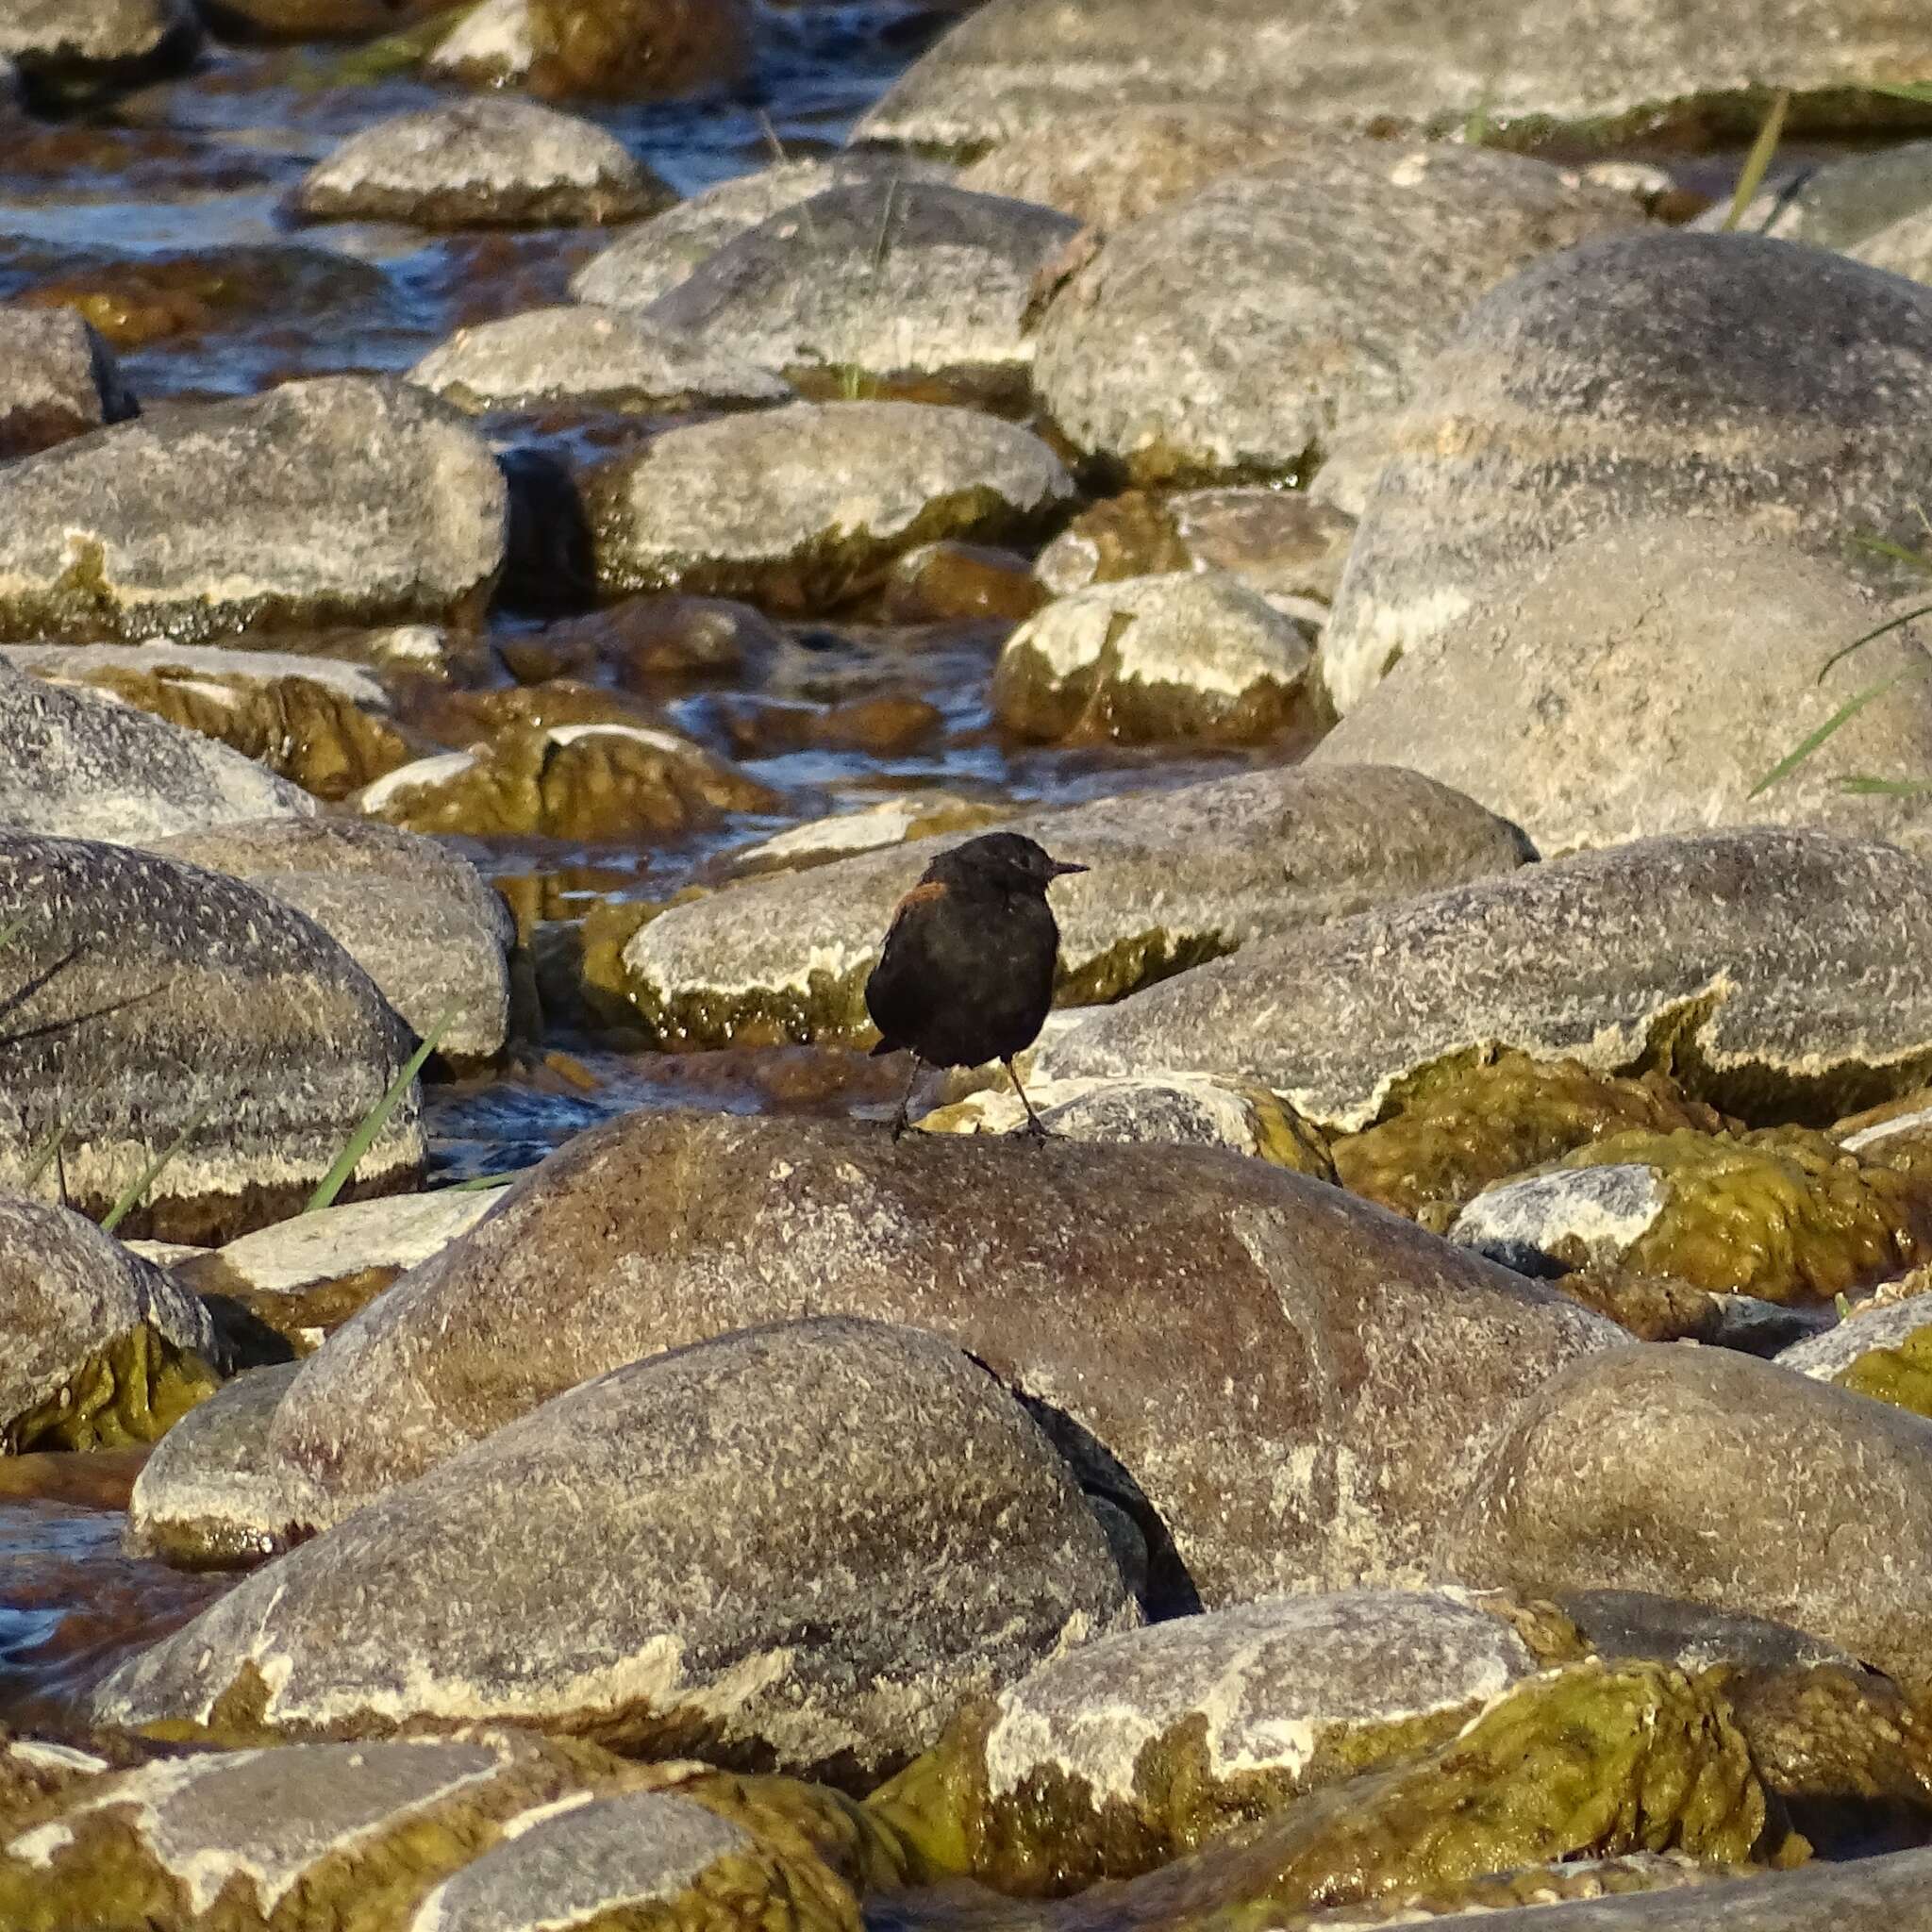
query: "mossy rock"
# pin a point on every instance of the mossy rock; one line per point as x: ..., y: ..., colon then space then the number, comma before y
x: 1464, y: 1126
x: 623, y: 50
x: 133, y: 1391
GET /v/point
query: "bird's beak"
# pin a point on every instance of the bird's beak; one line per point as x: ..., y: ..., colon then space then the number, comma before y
x: 1060, y: 868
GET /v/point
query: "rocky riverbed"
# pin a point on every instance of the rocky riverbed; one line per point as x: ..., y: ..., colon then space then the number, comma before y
x: 523, y: 527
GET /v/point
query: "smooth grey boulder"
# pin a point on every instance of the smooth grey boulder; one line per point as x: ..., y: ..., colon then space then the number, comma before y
x: 1017, y: 64
x: 1708, y: 1475
x: 1549, y: 1223
x: 97, y: 1348
x: 341, y: 499
x: 418, y: 918
x: 1645, y: 678
x: 804, y: 1542
x: 1175, y: 878
x: 1235, y: 335
x: 155, y: 1008
x: 888, y: 277
x: 58, y: 380
x: 591, y: 357
x: 809, y: 504
x: 1776, y: 972
x: 1279, y: 1383
x: 80, y: 765
x: 653, y: 257
x: 482, y: 163
x: 1726, y: 381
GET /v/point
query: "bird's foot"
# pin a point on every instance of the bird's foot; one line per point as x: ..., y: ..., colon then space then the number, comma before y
x: 1033, y: 1129
x: 899, y: 1124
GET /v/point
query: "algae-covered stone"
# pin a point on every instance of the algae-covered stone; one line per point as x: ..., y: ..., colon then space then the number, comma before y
x: 1645, y: 678
x: 94, y: 43
x: 593, y: 358
x: 807, y: 505
x: 1756, y: 387
x: 1130, y: 1751
x: 653, y: 257
x: 100, y: 1348
x: 77, y: 765
x: 1705, y: 1475
x: 1175, y: 878
x: 1174, y: 656
x: 160, y: 1011
x: 1741, y: 963
x: 418, y: 918
x: 482, y: 161
x: 1285, y: 1383
x: 1235, y: 334
x: 1783, y: 1215
x: 313, y: 1833
x: 343, y: 500
x: 1886, y: 1354
x: 802, y: 1544
x: 647, y: 1851
x: 613, y: 50
x: 1456, y: 1133
x: 889, y: 276
x: 58, y: 380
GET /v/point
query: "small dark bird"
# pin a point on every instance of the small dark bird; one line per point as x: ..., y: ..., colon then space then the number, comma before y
x: 966, y: 973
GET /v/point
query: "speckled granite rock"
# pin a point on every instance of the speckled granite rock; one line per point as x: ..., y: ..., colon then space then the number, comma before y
x: 58, y: 380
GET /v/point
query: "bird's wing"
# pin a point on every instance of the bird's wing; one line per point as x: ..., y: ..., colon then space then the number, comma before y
x: 889, y: 978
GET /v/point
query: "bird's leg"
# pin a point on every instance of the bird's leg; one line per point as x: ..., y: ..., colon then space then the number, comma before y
x: 1035, y: 1127
x: 900, y: 1122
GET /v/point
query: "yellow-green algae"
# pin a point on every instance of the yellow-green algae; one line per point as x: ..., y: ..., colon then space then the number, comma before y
x: 1823, y: 1734
x: 132, y: 1391
x: 1901, y: 1375
x: 1469, y: 1122
x: 1785, y: 1214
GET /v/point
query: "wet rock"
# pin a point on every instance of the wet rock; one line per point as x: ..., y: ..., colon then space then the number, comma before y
x: 1731, y: 414
x: 482, y: 163
x: 1280, y: 542
x: 1708, y: 1475
x: 345, y: 501
x: 1176, y: 878
x: 1111, y: 168
x: 1180, y: 1110
x: 79, y: 765
x: 653, y: 1850
x: 91, y: 42
x: 591, y: 359
x: 101, y: 1348
x: 239, y: 1837
x: 1234, y: 334
x: 947, y: 582
x: 1645, y: 679
x: 1017, y: 65
x: 1886, y: 1354
x: 61, y: 380
x: 212, y: 1496
x: 654, y: 256
x: 805, y: 1544
x: 416, y: 917
x: 156, y: 1009
x: 317, y: 19
x: 1271, y: 1468
x: 33, y: 1769
x: 1154, y: 658
x: 1128, y: 1753
x: 890, y: 821
x: 594, y: 781
x: 616, y: 50
x: 1783, y: 1215
x: 1690, y: 1636
x: 1733, y: 962
x: 885, y: 277
x: 808, y: 504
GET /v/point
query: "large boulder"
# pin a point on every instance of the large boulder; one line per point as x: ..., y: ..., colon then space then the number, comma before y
x: 170, y: 1027
x: 58, y: 380
x: 1726, y: 381
x: 1237, y: 333
x: 1775, y: 972
x: 1017, y: 64
x: 1711, y: 1475
x: 343, y: 500
x: 1175, y: 878
x: 892, y: 277
x: 1285, y: 1380
x: 804, y: 1543
x: 90, y: 43
x: 1646, y: 679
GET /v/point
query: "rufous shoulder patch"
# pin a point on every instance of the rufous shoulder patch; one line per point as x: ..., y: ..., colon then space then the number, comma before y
x: 927, y: 894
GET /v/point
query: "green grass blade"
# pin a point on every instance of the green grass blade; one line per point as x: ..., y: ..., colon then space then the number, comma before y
x: 1758, y: 163
x: 45, y: 1154
x: 11, y: 931
x: 1881, y: 546
x: 1886, y: 788
x: 1843, y: 716
x: 1890, y: 623
x: 363, y: 1139
x: 484, y: 1182
x: 1920, y: 91
x: 137, y: 1191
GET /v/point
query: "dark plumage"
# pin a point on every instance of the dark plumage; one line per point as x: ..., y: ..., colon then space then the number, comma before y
x: 966, y: 972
